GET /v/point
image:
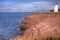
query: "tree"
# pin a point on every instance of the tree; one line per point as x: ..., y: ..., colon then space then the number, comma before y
x: 53, y: 10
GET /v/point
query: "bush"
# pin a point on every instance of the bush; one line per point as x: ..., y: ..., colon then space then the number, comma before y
x: 53, y: 10
x: 24, y: 27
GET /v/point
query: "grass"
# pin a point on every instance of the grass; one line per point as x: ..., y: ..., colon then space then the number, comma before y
x: 46, y: 38
x: 42, y: 37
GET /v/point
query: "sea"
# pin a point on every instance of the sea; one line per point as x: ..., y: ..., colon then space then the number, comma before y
x: 10, y: 23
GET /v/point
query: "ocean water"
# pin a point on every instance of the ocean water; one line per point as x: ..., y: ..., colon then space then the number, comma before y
x: 10, y: 22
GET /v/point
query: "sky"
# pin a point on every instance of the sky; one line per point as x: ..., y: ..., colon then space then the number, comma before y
x: 27, y: 5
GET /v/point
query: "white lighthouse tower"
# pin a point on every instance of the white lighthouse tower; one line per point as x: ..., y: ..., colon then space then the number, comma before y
x: 56, y: 8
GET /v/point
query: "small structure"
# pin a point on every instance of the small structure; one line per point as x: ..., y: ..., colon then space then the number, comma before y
x: 56, y: 8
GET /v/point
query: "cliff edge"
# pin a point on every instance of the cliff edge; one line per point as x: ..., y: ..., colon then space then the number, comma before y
x: 40, y: 25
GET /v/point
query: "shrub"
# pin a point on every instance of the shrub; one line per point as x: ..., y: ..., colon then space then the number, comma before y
x: 24, y: 27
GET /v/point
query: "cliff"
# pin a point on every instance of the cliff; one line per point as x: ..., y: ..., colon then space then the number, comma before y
x: 40, y: 25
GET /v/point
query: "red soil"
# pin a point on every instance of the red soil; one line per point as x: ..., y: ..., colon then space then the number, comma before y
x: 41, y: 24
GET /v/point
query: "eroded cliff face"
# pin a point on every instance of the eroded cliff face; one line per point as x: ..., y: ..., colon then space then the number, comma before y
x: 41, y: 25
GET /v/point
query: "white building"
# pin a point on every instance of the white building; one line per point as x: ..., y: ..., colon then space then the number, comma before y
x: 56, y: 8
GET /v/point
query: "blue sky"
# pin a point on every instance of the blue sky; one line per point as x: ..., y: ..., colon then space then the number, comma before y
x: 17, y: 1
x: 27, y: 5
x: 24, y: 1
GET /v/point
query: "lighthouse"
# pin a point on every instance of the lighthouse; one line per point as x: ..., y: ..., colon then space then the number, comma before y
x: 56, y: 8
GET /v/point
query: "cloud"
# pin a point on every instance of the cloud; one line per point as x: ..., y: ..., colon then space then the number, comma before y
x: 27, y: 7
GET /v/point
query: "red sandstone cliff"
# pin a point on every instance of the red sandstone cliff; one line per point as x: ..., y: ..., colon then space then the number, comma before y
x: 41, y: 24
